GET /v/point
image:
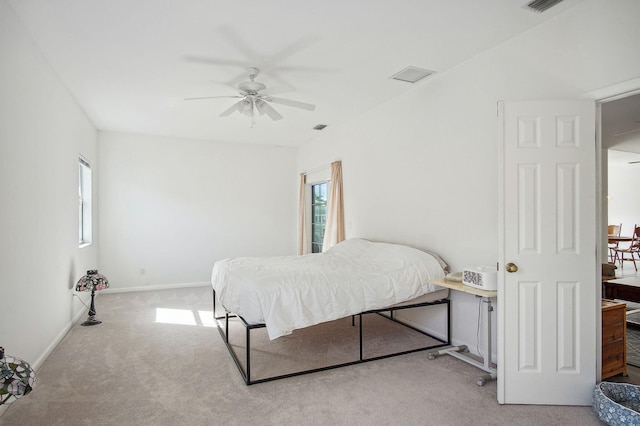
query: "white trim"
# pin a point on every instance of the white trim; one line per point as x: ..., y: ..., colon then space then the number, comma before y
x: 38, y: 363
x: 84, y: 160
x: 500, y: 315
x: 602, y: 96
x: 614, y: 92
x: 155, y: 287
x: 599, y: 237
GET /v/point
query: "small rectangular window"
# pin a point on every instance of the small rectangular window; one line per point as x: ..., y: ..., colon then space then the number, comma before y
x: 318, y: 215
x: 84, y: 202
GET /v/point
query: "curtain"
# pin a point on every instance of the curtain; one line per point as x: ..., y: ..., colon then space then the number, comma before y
x: 303, y: 247
x: 334, y: 229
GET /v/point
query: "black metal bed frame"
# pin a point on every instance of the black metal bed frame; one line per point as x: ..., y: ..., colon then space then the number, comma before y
x: 246, y: 373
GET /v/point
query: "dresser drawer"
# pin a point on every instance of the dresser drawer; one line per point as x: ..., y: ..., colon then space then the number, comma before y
x: 613, y: 356
x: 612, y: 333
x: 612, y: 317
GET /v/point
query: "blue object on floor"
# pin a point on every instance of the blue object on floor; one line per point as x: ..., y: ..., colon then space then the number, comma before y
x: 617, y: 403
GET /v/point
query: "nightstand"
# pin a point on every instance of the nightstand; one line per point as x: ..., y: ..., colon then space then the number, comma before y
x: 614, y: 338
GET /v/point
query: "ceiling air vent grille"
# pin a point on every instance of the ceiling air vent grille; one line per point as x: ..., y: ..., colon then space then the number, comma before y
x: 411, y: 74
x: 542, y: 5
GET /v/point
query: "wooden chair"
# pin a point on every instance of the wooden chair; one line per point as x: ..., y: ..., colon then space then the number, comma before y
x: 633, y: 250
x: 614, y: 230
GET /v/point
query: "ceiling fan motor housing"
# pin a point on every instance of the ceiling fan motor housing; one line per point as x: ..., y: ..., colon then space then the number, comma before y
x: 251, y: 87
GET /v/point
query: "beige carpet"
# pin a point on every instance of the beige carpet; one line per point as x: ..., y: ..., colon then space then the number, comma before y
x: 156, y: 360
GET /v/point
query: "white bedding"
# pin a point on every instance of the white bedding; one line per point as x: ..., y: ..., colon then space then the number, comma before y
x: 290, y: 292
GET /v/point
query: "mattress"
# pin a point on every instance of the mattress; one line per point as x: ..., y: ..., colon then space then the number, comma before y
x: 290, y: 292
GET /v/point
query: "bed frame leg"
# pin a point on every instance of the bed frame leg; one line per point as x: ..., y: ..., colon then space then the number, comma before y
x: 448, y: 322
x: 226, y: 327
x: 248, y: 331
x: 360, y: 333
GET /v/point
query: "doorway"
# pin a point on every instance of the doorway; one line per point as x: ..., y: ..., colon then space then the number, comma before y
x: 620, y: 202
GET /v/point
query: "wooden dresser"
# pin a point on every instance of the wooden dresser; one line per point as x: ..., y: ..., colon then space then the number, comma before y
x: 614, y: 338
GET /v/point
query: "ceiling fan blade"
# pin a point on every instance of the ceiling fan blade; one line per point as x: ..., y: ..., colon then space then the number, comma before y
x: 264, y: 108
x: 288, y: 102
x: 276, y: 90
x: 211, y: 97
x: 214, y: 61
x: 237, y: 89
x: 235, y: 107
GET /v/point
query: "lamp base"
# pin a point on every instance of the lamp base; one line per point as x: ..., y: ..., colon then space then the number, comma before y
x: 92, y: 312
x: 91, y: 321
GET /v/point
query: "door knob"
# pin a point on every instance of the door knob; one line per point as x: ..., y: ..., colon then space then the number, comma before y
x: 511, y: 267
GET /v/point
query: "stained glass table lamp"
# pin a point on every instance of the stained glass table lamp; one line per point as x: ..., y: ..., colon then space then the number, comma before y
x: 92, y: 281
x: 17, y: 378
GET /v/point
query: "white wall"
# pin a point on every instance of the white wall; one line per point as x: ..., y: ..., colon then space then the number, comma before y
x: 42, y: 133
x: 171, y: 207
x: 423, y: 168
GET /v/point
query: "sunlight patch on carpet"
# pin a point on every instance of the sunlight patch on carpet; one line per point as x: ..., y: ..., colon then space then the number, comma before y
x: 184, y: 317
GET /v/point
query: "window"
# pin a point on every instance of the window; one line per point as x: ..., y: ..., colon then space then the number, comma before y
x: 318, y: 215
x: 84, y: 202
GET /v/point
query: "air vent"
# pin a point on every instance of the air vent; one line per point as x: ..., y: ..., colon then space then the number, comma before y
x: 542, y: 5
x: 319, y: 127
x: 412, y: 74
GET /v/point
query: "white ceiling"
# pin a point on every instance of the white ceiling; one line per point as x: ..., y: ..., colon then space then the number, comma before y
x: 131, y: 63
x: 621, y: 124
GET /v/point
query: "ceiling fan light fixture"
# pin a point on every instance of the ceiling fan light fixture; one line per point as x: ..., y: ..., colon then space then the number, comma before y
x: 247, y: 108
x: 260, y: 106
x: 412, y: 74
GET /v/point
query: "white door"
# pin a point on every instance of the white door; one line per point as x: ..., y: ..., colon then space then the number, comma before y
x: 547, y: 309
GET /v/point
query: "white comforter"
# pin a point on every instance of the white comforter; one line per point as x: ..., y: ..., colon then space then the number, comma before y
x: 291, y: 292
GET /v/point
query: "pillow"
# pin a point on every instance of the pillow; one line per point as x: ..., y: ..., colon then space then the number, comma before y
x: 442, y: 263
x: 359, y: 241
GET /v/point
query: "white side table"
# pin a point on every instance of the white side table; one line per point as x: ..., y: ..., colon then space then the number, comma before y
x: 461, y: 352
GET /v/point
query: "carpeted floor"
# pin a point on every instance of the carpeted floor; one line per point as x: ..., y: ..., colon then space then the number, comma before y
x: 157, y: 360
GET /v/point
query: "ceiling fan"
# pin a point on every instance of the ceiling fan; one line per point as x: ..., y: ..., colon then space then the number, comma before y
x: 254, y: 96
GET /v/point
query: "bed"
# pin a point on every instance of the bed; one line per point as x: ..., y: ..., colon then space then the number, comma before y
x: 353, y: 278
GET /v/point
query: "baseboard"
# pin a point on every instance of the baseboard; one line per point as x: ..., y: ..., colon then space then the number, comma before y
x: 422, y: 327
x: 440, y: 335
x: 155, y: 287
x: 38, y: 363
x: 49, y: 349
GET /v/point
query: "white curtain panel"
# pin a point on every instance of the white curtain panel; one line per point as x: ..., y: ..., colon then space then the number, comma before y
x: 302, y: 217
x: 334, y: 230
